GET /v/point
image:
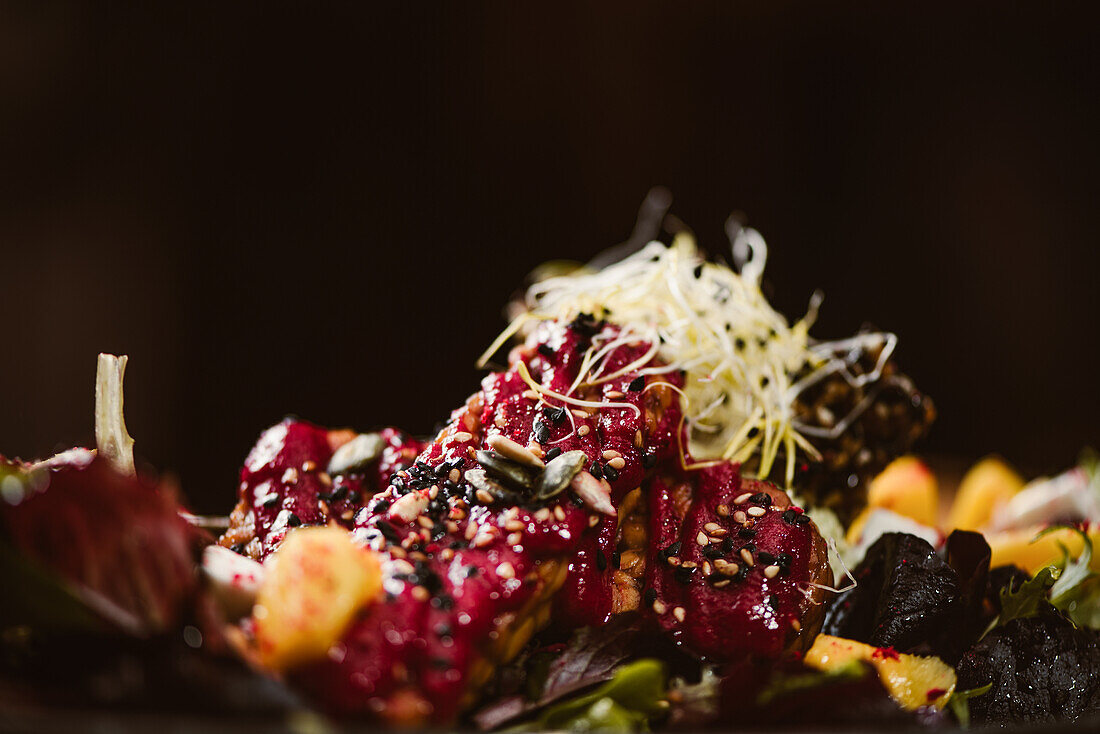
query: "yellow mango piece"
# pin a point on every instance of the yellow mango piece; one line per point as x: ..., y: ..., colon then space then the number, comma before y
x: 912, y: 680
x: 316, y: 581
x: 1014, y: 547
x: 908, y: 487
x: 989, y: 483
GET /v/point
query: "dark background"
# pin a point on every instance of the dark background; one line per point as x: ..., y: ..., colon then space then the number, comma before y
x: 275, y: 210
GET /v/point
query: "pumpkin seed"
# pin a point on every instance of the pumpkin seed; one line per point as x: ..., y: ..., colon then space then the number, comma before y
x: 356, y: 454
x: 506, y: 470
x: 559, y: 473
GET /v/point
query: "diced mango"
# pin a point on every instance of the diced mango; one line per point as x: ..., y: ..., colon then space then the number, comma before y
x: 1015, y: 547
x: 912, y: 680
x: 908, y: 487
x: 316, y: 582
x: 989, y: 483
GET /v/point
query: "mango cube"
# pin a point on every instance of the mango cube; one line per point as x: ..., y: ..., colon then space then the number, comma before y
x: 912, y: 680
x: 988, y: 484
x: 316, y: 582
x: 908, y: 487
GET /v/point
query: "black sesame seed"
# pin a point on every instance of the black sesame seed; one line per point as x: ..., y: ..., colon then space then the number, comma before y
x: 540, y: 431
x: 270, y: 501
x: 648, y: 460
x: 802, y: 519
x: 783, y: 559
x: 610, y: 472
x: 546, y: 350
x: 773, y: 602
x: 636, y: 384
x: 596, y: 469
x: 388, y: 531
x: 713, y: 551
x: 293, y: 521
x: 750, y: 547
x: 650, y: 596
x: 698, y: 271
x: 789, y: 516
x: 238, y: 548
x: 746, y: 533
x: 671, y: 550
x: 764, y: 558
x: 601, y: 560
x: 762, y: 498
x: 472, y: 571
x: 753, y: 432
x: 683, y: 575
x: 616, y: 560
x: 576, y: 500
x: 554, y: 415
x: 553, y: 453
x: 727, y: 545
x: 739, y: 344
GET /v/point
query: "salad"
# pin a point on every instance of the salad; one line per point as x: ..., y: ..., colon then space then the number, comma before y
x: 665, y: 507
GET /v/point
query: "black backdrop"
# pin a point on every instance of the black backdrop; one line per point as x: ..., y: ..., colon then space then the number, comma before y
x: 320, y: 210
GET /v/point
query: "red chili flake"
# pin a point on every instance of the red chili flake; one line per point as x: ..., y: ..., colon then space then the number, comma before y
x: 885, y: 653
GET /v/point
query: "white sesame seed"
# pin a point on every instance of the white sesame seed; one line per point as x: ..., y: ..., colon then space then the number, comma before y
x: 452, y: 526
x: 611, y: 454
x: 743, y: 498
x: 484, y: 497
x: 325, y: 479
x: 706, y: 568
x: 701, y: 538
x: 512, y: 525
x: 756, y: 511
x: 617, y: 463
x: 420, y: 593
x: 433, y: 492
x: 290, y: 476
x: 543, y: 515
x: 506, y: 570
x: 711, y: 527
x: 454, y: 475
x: 535, y: 448
x: 582, y: 431
x: 673, y: 561
x: 659, y: 607
x: 721, y: 584
x: 514, y: 539
x: 722, y: 510
x: 559, y: 513
x: 471, y: 531
x: 614, y: 395
x: 424, y: 521
x: 402, y: 566
x: 347, y: 514
x: 463, y: 436
x: 771, y: 571
x: 481, y: 541
x: 746, y: 554
x: 579, y: 413
x: 638, y: 441
x: 740, y: 517
x: 593, y: 520
x: 796, y: 625
x: 446, y: 554
x: 680, y: 613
